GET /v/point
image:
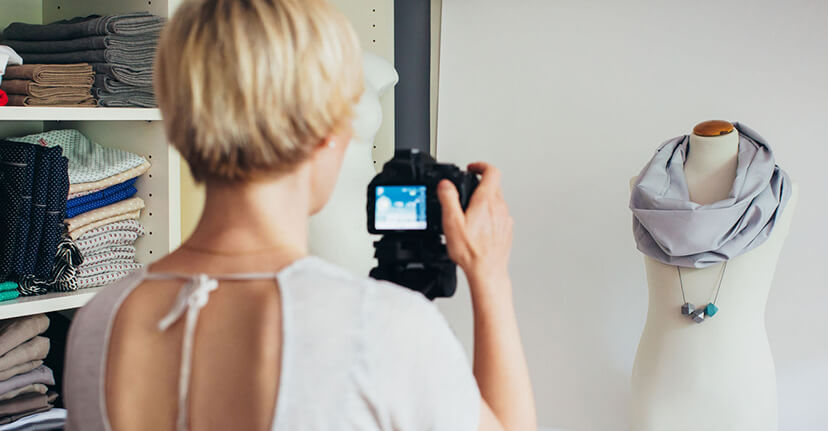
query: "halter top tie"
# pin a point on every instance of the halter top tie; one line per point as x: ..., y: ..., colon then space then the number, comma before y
x: 192, y: 297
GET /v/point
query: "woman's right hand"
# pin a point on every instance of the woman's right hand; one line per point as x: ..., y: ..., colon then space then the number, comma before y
x: 479, y: 240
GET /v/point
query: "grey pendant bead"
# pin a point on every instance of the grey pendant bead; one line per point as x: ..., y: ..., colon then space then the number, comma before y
x: 698, y: 315
x: 687, y: 308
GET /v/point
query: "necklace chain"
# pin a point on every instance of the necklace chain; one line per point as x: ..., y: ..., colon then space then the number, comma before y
x: 228, y: 253
x: 710, y: 310
x: 718, y: 288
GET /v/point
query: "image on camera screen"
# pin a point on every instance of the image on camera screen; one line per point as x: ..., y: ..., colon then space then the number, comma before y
x: 400, y: 208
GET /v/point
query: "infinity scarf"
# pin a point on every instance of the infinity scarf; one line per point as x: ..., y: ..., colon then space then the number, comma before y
x: 672, y: 229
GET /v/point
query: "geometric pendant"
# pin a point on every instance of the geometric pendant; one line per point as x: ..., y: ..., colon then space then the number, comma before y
x: 711, y: 310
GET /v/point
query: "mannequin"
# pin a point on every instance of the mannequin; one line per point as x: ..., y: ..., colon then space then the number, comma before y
x: 339, y: 232
x: 718, y: 375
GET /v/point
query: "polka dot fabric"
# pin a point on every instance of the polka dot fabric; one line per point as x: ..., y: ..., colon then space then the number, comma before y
x: 116, y: 209
x: 100, y: 194
x: 34, y: 184
x: 77, y: 233
x: 88, y: 161
x: 55, y: 213
x: 109, y: 199
x: 76, y: 189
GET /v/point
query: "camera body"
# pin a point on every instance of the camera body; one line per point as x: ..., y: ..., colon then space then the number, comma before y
x: 403, y: 207
x: 403, y: 197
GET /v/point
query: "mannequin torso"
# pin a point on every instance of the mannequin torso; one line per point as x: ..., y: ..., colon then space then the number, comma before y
x: 717, y: 375
x: 339, y: 232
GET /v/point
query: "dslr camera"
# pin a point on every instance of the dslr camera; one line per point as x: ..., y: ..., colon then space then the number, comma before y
x: 404, y: 208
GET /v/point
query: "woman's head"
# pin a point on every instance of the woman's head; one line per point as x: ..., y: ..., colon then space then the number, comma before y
x: 251, y: 89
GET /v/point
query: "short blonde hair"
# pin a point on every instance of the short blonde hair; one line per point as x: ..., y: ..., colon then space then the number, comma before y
x: 248, y: 88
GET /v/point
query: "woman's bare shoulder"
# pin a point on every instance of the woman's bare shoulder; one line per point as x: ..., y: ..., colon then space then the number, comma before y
x: 101, y: 308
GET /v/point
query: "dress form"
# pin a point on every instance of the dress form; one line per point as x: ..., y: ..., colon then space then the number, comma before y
x: 718, y: 375
x: 339, y: 233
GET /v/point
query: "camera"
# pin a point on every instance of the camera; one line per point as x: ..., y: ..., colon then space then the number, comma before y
x: 403, y: 207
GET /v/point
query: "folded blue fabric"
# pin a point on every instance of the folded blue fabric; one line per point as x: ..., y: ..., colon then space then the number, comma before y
x: 101, y: 194
x: 104, y: 200
x: 33, y: 188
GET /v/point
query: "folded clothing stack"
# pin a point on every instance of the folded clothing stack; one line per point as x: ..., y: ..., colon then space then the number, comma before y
x: 121, y: 49
x: 8, y: 291
x: 24, y: 380
x: 108, y: 253
x: 102, y: 210
x: 34, y: 183
x: 7, y: 57
x: 49, y: 85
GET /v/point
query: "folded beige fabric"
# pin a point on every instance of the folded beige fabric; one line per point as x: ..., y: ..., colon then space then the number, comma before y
x: 77, y: 233
x: 35, y: 349
x: 31, y: 88
x: 53, y: 74
x: 12, y: 418
x: 110, y: 181
x: 26, y: 402
x: 116, y: 209
x: 68, y: 101
x: 19, y: 369
x: 14, y: 332
x: 28, y: 389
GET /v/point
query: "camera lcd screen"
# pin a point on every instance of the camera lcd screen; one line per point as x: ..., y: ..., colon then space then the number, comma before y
x: 400, y: 208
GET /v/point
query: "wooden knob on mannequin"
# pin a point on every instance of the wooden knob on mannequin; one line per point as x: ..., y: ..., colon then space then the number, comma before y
x: 713, y: 128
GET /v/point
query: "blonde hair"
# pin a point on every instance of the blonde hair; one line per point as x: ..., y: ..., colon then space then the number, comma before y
x: 249, y: 88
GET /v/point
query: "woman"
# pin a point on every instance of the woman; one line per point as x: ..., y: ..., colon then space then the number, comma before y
x: 257, y: 96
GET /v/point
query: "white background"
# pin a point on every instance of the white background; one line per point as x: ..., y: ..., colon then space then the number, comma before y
x: 570, y: 99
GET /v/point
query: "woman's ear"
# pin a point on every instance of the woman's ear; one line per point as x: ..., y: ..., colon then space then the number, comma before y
x: 326, y: 163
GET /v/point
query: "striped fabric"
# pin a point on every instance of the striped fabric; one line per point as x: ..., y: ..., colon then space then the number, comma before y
x: 107, y: 268
x: 101, y: 279
x: 109, y: 253
x: 110, y: 256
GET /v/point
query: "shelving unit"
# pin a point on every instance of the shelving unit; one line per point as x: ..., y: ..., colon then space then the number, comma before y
x: 138, y: 130
x: 46, y: 113
x: 28, y: 305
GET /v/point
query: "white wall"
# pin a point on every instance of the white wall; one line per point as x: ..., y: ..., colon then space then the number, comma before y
x: 570, y: 99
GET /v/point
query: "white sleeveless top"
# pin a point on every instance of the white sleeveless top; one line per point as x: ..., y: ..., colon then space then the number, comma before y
x: 357, y: 354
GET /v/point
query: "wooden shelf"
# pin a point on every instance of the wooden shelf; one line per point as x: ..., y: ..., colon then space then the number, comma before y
x: 28, y: 305
x: 48, y: 113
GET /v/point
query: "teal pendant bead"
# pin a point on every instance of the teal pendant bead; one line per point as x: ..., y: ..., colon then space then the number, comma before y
x: 711, y: 310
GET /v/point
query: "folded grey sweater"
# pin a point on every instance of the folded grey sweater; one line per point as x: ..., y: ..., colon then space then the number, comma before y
x: 40, y: 375
x: 137, y: 98
x: 83, y: 44
x: 14, y: 332
x: 129, y: 24
x: 135, y: 76
x: 129, y: 57
x: 35, y: 349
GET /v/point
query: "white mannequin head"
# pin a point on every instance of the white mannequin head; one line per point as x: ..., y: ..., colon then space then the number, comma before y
x: 380, y: 76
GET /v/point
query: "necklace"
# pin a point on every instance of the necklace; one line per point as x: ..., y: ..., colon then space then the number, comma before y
x: 229, y: 253
x: 710, y: 310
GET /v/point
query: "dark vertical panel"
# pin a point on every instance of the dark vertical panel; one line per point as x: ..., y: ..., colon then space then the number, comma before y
x: 412, y: 58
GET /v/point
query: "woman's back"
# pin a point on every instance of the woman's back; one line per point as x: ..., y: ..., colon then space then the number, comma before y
x: 323, y: 350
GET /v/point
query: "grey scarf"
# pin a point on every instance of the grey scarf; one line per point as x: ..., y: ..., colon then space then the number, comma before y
x: 674, y: 230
